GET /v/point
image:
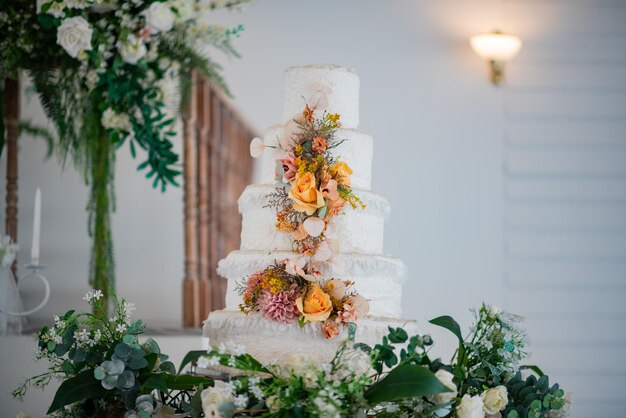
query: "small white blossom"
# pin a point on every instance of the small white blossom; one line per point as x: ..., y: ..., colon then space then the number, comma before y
x: 241, y: 401
x: 121, y: 328
x: 132, y: 50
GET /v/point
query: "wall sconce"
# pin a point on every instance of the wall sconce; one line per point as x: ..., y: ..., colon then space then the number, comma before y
x: 497, y: 48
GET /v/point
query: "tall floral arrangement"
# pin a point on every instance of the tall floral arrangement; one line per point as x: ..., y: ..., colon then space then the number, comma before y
x: 103, y: 70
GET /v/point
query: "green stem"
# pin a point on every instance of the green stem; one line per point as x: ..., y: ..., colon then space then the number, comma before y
x: 102, y: 274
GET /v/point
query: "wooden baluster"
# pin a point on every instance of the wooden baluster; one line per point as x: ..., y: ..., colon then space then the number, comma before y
x: 204, y: 119
x: 214, y: 198
x: 191, y: 295
x: 11, y: 123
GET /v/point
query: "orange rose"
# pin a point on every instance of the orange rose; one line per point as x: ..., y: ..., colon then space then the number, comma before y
x: 316, y: 305
x: 304, y: 193
x: 341, y: 172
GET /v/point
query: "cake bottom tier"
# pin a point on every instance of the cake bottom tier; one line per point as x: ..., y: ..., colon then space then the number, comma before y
x: 271, y: 342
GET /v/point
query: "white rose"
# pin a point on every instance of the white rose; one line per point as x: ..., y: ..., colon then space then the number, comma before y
x: 74, y: 35
x: 159, y: 17
x: 470, y: 407
x: 357, y: 361
x: 184, y: 9
x: 445, y: 377
x: 495, y: 400
x: 273, y: 403
x: 214, y: 397
x: 132, y: 50
x: 112, y: 120
x: 297, y: 363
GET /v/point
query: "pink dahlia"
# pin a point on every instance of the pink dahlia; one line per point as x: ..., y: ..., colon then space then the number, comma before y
x: 280, y: 307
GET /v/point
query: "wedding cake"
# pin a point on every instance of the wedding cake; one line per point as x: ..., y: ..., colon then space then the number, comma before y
x: 310, y: 264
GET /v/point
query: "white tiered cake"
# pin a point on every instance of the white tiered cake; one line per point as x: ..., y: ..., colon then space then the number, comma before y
x: 376, y: 277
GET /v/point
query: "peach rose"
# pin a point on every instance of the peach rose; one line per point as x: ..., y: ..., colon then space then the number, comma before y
x: 360, y: 304
x: 335, y: 288
x: 304, y: 193
x: 329, y: 188
x: 330, y: 329
x: 319, y: 144
x: 316, y: 305
x: 342, y: 172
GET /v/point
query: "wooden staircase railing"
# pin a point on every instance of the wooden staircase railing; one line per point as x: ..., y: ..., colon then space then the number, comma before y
x: 217, y: 168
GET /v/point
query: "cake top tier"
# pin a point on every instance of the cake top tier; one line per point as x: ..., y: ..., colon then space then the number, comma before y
x: 325, y: 87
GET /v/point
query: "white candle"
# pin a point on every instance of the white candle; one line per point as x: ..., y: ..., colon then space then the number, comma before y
x: 34, y: 253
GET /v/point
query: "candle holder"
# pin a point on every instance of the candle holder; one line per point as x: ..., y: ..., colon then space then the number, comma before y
x: 33, y: 270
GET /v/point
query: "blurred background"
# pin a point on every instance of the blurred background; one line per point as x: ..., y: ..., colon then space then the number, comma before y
x: 512, y: 195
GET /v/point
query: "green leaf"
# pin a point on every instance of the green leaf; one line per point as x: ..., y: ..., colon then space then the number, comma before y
x: 155, y: 381
x: 397, y: 335
x: 191, y: 356
x: 185, y: 381
x: 78, y: 388
x: 534, y: 368
x: 403, y: 382
x: 450, y: 324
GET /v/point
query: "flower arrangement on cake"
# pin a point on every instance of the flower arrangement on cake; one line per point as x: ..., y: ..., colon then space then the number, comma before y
x: 107, y: 372
x: 289, y: 291
x: 314, y: 184
x: 314, y: 187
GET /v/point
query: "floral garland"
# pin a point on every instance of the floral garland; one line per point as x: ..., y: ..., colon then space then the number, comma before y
x: 289, y: 291
x: 104, y: 70
x: 313, y: 188
x: 117, y: 375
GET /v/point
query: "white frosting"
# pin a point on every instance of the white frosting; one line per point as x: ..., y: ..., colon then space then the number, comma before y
x: 270, y: 341
x: 356, y: 150
x: 304, y: 83
x: 379, y: 279
x: 356, y: 230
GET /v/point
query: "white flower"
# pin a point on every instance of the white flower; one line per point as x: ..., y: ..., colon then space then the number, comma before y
x: 205, y: 362
x: 78, y: 4
x: 495, y: 400
x: 8, y: 251
x: 214, y: 397
x: 132, y: 50
x: 118, y: 121
x: 241, y: 401
x: 56, y: 9
x: 357, y: 361
x: 273, y: 403
x: 470, y: 407
x: 159, y: 17
x: 494, y: 311
x: 257, y: 147
x: 297, y: 364
x: 184, y: 9
x: 121, y: 328
x: 445, y: 377
x: 74, y: 35
x: 93, y: 294
x: 91, y: 79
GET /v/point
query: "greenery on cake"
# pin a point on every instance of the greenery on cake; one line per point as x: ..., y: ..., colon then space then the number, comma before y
x: 106, y: 371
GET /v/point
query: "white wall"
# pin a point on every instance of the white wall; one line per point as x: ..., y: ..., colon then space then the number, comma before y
x: 444, y: 158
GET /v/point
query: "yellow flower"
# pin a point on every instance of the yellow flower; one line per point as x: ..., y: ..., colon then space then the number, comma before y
x: 334, y: 117
x: 304, y: 193
x: 341, y: 172
x: 316, y: 305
